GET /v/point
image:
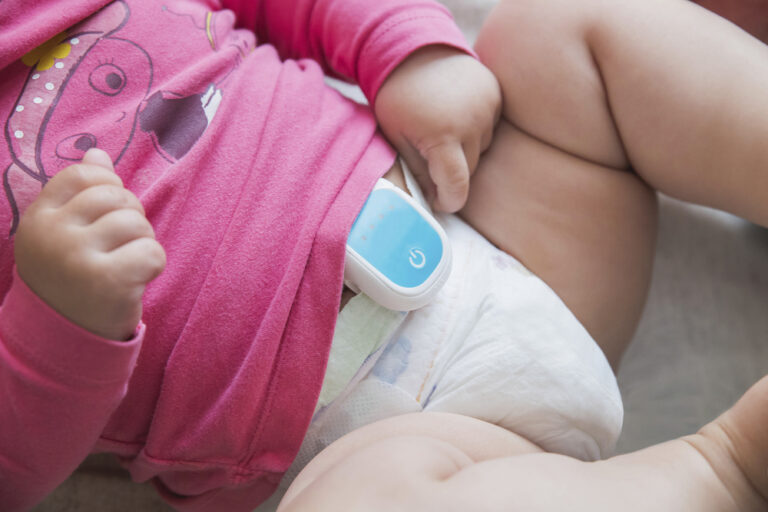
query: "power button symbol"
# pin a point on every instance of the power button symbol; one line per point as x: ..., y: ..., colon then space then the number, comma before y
x: 417, y: 258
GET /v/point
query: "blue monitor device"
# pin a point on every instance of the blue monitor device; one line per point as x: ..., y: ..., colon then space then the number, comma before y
x: 397, y: 253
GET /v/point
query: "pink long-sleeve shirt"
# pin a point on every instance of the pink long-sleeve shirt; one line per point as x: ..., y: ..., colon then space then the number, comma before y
x: 251, y: 171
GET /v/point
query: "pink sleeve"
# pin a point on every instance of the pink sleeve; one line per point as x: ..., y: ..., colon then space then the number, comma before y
x: 358, y: 40
x: 58, y: 386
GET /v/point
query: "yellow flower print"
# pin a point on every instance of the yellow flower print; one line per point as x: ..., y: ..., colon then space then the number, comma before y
x: 45, y: 54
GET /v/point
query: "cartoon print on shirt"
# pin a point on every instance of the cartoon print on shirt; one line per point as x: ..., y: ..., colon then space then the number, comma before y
x: 175, y: 123
x: 88, y: 65
x: 212, y: 26
x: 174, y: 139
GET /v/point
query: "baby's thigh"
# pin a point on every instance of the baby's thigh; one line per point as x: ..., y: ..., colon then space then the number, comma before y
x: 586, y: 230
x: 551, y: 85
x: 398, y: 463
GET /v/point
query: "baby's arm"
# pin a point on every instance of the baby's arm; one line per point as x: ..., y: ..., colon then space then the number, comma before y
x: 85, y: 247
x: 437, y: 105
x: 439, y: 108
x: 361, y: 41
x: 84, y: 252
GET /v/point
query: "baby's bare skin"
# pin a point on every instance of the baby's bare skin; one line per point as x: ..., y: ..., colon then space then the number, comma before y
x: 443, y: 462
x: 438, y: 108
x: 604, y: 103
x: 86, y: 248
x: 427, y: 462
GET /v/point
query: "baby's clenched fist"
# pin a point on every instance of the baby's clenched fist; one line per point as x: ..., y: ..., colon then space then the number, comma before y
x: 85, y: 247
x: 439, y: 108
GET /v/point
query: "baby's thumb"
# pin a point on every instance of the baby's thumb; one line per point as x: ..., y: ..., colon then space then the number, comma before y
x: 448, y: 170
x: 96, y: 156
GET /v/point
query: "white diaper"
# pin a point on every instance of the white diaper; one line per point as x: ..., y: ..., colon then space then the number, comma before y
x: 497, y: 344
x: 500, y: 346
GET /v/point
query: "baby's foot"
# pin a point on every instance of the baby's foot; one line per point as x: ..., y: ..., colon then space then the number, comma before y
x: 85, y: 247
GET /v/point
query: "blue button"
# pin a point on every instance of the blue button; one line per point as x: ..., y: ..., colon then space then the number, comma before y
x: 395, y: 239
x: 417, y: 258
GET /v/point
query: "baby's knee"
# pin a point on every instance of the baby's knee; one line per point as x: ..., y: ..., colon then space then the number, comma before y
x: 515, y: 27
x: 552, y: 88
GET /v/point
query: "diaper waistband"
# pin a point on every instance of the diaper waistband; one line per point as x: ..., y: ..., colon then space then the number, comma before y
x: 362, y: 329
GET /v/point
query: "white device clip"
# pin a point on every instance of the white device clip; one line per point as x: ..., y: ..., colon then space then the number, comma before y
x: 397, y: 253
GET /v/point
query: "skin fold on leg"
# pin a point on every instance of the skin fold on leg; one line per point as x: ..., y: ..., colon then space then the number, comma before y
x: 679, y: 98
x: 604, y: 102
x: 445, y: 462
x: 586, y: 230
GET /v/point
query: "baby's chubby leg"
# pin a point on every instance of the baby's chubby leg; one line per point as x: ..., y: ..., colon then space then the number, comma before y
x: 594, y: 89
x: 85, y: 247
x: 664, y: 87
x: 722, y: 468
x: 446, y: 462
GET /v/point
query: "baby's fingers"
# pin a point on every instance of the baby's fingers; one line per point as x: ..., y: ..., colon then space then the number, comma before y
x: 99, y: 200
x: 98, y: 157
x: 117, y: 228
x: 140, y: 260
x: 472, y: 151
x: 450, y: 173
x: 95, y: 169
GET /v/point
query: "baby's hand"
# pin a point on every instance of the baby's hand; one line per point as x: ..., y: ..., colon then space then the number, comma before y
x: 85, y: 247
x: 438, y: 108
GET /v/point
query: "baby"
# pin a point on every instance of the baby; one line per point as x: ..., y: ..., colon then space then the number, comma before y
x: 603, y: 103
x: 139, y: 132
x: 252, y: 216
